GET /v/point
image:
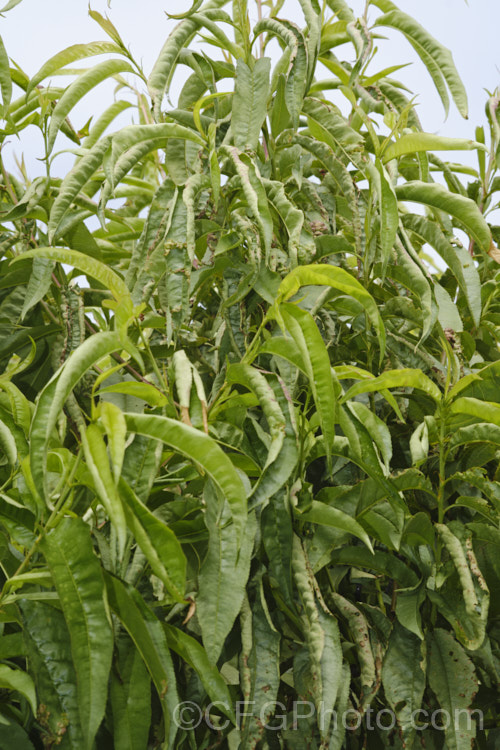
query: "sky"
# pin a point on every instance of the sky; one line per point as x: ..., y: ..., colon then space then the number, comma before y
x: 34, y: 31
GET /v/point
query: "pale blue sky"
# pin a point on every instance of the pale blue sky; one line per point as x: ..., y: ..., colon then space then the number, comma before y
x: 35, y: 30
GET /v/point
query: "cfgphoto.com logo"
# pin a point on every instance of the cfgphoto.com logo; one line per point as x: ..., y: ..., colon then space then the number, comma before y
x: 275, y: 716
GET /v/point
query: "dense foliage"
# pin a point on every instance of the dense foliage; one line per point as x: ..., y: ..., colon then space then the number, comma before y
x: 254, y: 456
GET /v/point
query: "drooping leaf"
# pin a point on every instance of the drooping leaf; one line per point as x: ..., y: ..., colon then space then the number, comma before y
x: 78, y: 579
x: 68, y: 56
x: 427, y: 48
x: 149, y: 637
x: 77, y: 90
x: 201, y: 449
x: 461, y: 208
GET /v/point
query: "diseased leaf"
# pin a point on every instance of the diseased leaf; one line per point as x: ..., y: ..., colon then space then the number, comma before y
x: 251, y: 91
x: 453, y: 680
x: 426, y: 47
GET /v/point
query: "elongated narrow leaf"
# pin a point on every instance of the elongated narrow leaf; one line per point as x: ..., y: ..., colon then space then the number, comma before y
x: 51, y: 664
x: 256, y: 381
x: 39, y: 283
x: 422, y: 41
x: 222, y: 581
x: 73, y: 183
x: 68, y: 56
x: 165, y: 63
x: 395, y: 379
x: 96, y: 458
x: 461, y: 208
x: 158, y: 542
x: 403, y: 678
x: 132, y: 135
x: 338, y: 278
x: 195, y: 655
x: 327, y: 516
x: 8, y: 443
x: 55, y: 393
x: 5, y: 79
x: 149, y: 637
x: 148, y: 393
x: 454, y: 682
x: 251, y: 91
x: 389, y: 217
x: 486, y: 411
x: 79, y: 583
x: 201, y: 449
x: 130, y: 694
x: 263, y: 664
x: 84, y: 263
x: 83, y: 84
x: 456, y: 258
x: 411, y: 143
x: 304, y: 331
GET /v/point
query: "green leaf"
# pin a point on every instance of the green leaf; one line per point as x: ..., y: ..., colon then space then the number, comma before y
x: 463, y: 209
x: 88, y: 265
x: 130, y: 695
x: 222, y: 580
x: 411, y: 143
x: 403, y: 678
x: 49, y: 653
x: 277, y: 537
x: 78, y: 579
x: 304, y: 331
x: 68, y: 56
x: 84, y: 83
x: 55, y: 393
x: 159, y: 543
x: 328, y: 516
x: 337, y: 278
x: 73, y: 183
x: 114, y: 423
x: 21, y: 682
x: 39, y: 283
x: 195, y: 655
x: 5, y: 79
x: 165, y: 64
x: 251, y: 91
x: 254, y: 380
x: 456, y: 258
x: 150, y: 640
x: 427, y: 47
x: 453, y: 680
x: 486, y: 411
x: 389, y: 216
x: 12, y: 734
x: 96, y: 458
x: 204, y: 451
x: 328, y: 125
x: 405, y: 378
x: 148, y: 393
x: 448, y: 314
x: 263, y: 663
x: 133, y: 135
x: 8, y: 443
